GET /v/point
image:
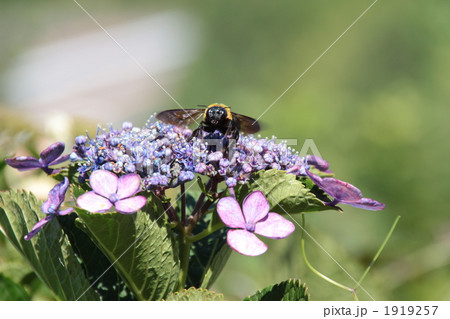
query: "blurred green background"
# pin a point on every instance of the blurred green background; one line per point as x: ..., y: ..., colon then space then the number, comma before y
x: 376, y: 105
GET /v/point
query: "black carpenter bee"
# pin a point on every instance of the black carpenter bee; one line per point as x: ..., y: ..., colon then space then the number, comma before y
x: 216, y: 117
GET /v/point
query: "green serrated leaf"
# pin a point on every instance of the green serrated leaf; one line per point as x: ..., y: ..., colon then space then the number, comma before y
x: 11, y: 291
x: 289, y: 290
x: 141, y: 248
x: 285, y: 193
x: 194, y: 294
x: 215, y: 265
x: 49, y: 253
x: 104, y: 278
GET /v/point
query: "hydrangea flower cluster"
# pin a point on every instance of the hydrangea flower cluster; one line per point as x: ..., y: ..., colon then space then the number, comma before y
x: 161, y: 154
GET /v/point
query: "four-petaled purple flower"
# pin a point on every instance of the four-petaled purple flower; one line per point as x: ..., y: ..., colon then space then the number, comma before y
x: 254, y: 218
x: 51, y: 207
x: 48, y: 157
x: 345, y: 193
x: 109, y: 190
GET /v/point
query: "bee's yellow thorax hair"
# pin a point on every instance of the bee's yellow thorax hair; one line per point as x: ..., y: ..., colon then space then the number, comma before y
x: 229, y: 116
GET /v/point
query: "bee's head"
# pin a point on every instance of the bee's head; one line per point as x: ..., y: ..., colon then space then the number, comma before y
x: 215, y: 114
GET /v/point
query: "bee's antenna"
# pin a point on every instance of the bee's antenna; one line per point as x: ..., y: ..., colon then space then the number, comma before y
x: 201, y: 105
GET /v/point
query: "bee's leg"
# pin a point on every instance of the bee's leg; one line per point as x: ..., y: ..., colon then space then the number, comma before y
x: 230, y: 139
x: 232, y: 132
x: 198, y: 132
x: 235, y: 135
x: 230, y: 148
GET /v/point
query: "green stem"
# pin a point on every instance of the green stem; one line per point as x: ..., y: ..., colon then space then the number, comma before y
x: 183, y: 203
x: 186, y: 239
x: 208, y: 231
x: 202, y: 196
x: 185, y: 249
x: 318, y: 273
x: 202, y: 207
x: 168, y: 208
x: 378, y: 252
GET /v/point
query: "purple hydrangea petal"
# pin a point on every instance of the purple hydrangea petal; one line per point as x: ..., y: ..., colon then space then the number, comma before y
x: 255, y: 207
x: 23, y: 163
x: 130, y: 205
x: 60, y: 160
x: 345, y: 193
x: 51, y: 153
x: 62, y: 188
x: 230, y: 212
x: 65, y: 212
x: 48, y: 207
x: 318, y: 163
x: 340, y: 190
x: 245, y: 243
x: 128, y: 185
x: 367, y: 203
x: 55, y: 197
x: 93, y: 203
x: 38, y: 226
x: 103, y: 182
x: 274, y: 226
